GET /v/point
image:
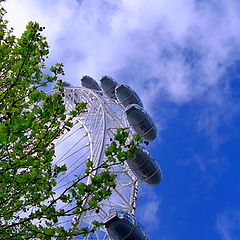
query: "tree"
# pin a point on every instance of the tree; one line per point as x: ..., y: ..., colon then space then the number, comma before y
x: 30, y: 120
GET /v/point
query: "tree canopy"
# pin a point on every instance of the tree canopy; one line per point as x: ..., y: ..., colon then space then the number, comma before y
x: 30, y: 120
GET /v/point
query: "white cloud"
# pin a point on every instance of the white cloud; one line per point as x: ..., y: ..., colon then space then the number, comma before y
x: 109, y: 36
x: 217, y: 113
x: 176, y: 50
x: 150, y: 212
x: 228, y: 225
x: 148, y: 208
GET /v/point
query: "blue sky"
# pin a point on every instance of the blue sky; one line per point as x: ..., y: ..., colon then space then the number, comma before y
x: 182, y: 58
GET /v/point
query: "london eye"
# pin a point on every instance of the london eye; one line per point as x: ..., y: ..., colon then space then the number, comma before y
x: 109, y: 106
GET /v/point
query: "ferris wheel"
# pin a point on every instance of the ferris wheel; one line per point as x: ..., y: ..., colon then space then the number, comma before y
x: 108, y: 107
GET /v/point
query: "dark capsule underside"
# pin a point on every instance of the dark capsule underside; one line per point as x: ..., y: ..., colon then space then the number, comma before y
x: 144, y: 167
x: 141, y: 122
x: 89, y: 82
x: 127, y: 96
x: 119, y: 229
x: 108, y: 85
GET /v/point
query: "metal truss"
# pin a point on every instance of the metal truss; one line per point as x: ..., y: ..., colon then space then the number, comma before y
x: 88, y: 139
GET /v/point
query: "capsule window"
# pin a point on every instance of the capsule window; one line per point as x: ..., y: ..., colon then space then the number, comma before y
x: 120, y: 215
x: 145, y: 171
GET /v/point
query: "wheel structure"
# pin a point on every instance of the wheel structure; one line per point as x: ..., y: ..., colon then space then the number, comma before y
x: 88, y: 139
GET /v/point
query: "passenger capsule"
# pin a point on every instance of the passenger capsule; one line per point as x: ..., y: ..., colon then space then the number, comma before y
x: 89, y: 82
x: 141, y: 122
x: 65, y: 84
x: 126, y: 96
x: 144, y: 167
x: 108, y: 85
x: 121, y: 225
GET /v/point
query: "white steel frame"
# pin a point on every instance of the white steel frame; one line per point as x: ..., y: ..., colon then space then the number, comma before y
x: 100, y: 121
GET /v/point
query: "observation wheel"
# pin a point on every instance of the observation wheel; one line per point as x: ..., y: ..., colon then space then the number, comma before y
x: 91, y: 133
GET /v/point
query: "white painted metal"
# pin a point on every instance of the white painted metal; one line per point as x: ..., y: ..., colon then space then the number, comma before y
x: 88, y: 139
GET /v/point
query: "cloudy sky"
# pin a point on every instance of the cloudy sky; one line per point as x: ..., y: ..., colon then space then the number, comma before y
x: 182, y: 57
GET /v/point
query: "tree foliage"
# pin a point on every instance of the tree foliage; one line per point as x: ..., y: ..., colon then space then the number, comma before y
x: 30, y: 120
